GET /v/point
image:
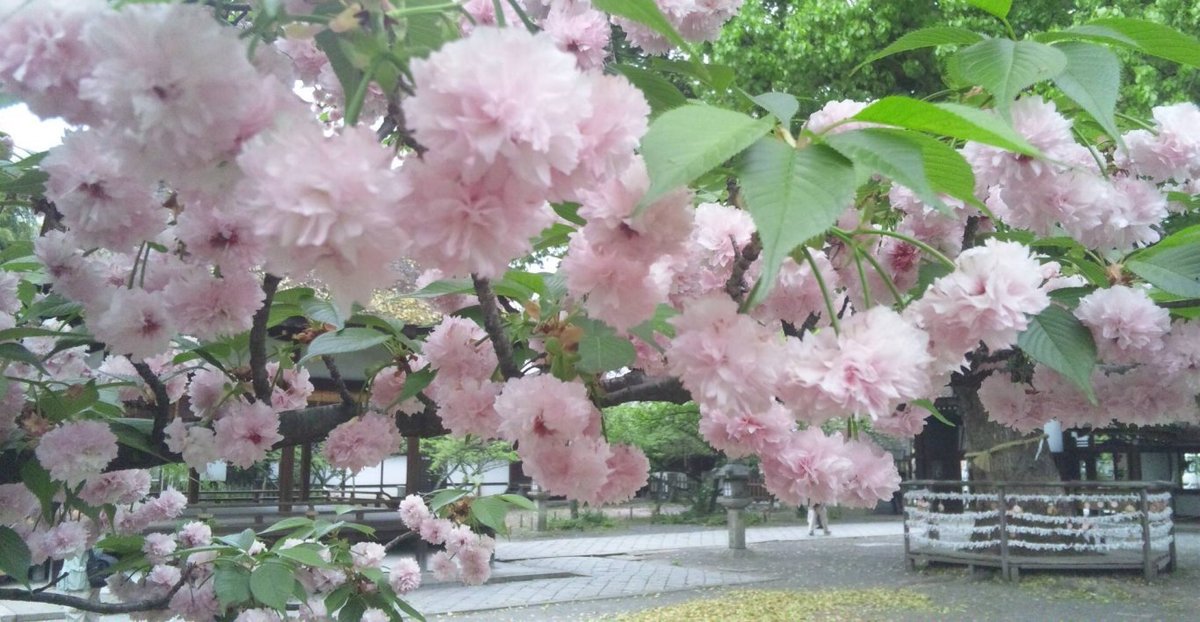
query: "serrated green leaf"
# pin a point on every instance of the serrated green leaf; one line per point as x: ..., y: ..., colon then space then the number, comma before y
x: 1175, y: 270
x: 37, y: 479
x: 892, y: 154
x: 691, y: 140
x: 231, y: 583
x: 1004, y: 67
x: 519, y: 501
x: 953, y: 120
x: 792, y: 195
x: 353, y: 339
x: 14, y: 555
x: 1149, y: 37
x: 414, y: 383
x: 292, y: 522
x: 321, y: 310
x: 601, y: 349
x: 926, y: 38
x: 1092, y: 79
x: 445, y: 287
x: 445, y: 497
x: 13, y: 351
x: 999, y: 8
x: 490, y: 511
x: 272, y: 584
x: 306, y: 554
x: 933, y: 410
x: 656, y: 325
x: 658, y: 91
x: 1057, y: 339
x: 782, y: 105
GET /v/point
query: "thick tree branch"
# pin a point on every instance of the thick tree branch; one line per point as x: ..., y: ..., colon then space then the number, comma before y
x: 335, y: 374
x: 162, y: 403
x: 84, y: 604
x: 736, y: 286
x: 495, y: 330
x: 652, y: 389
x: 258, y: 341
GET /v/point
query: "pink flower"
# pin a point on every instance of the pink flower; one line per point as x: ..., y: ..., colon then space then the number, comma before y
x: 873, y: 477
x: 43, y: 56
x: 577, y: 471
x: 629, y: 470
x: 1008, y: 403
x: 467, y: 406
x: 435, y: 530
x: 247, y: 433
x: 137, y: 323
x: 292, y: 387
x: 696, y: 20
x: 740, y: 434
x: 443, y: 566
x: 196, y: 602
x: 459, y: 538
x: 877, y: 361
x: 362, y: 442
x: 210, y: 307
x: 989, y: 297
x: 726, y: 360
x: 708, y: 261
x: 99, y: 199
x: 458, y: 348
x: 809, y: 467
x: 116, y: 487
x: 367, y: 555
x: 1127, y: 326
x: 179, y: 84
x: 387, y: 387
x: 375, y: 615
x: 544, y: 408
x: 194, y: 534
x: 162, y: 578
x: 405, y: 576
x: 414, y: 512
x: 1173, y: 152
x: 326, y: 204
x: 158, y: 546
x: 825, y: 120
x: 461, y: 226
x: 475, y: 563
x: 70, y: 274
x: 66, y: 539
x: 221, y: 235
x: 1040, y: 123
x: 581, y: 30
x: 197, y: 444
x: 797, y: 293
x: 470, y: 108
x: 906, y: 422
x: 17, y: 504
x: 611, y: 134
x: 258, y: 615
x: 75, y: 451
x: 207, y: 389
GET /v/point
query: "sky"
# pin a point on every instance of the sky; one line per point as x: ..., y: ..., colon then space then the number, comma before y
x: 29, y: 132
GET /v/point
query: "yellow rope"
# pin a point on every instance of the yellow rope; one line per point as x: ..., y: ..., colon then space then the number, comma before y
x: 983, y: 459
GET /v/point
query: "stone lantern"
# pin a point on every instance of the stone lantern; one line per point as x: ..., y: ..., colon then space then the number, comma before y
x: 735, y: 496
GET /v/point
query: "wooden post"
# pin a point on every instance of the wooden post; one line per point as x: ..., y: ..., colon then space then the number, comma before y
x: 1171, y: 561
x: 908, y: 558
x: 1002, y: 510
x: 412, y: 477
x: 1148, y: 569
x: 287, y: 467
x: 305, y: 471
x: 193, y: 487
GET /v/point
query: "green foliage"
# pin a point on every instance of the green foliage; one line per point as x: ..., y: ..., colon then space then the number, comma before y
x: 810, y: 47
x: 1057, y: 339
x: 586, y: 521
x: 668, y: 433
x: 470, y: 456
x: 694, y: 516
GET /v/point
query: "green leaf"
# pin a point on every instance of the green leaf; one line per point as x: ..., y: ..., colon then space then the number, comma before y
x: 272, y: 584
x: 231, y: 583
x: 352, y: 339
x: 601, y: 349
x: 37, y: 479
x: 130, y: 436
x: 13, y: 351
x: 519, y: 501
x: 292, y: 522
x: 659, y: 92
x: 1148, y: 37
x: 688, y: 141
x: 782, y: 105
x: 321, y: 310
x: 343, y: 66
x: 121, y: 545
x: 306, y: 554
x: 1059, y: 341
x: 948, y: 172
x: 925, y: 38
x: 414, y: 383
x: 657, y: 324
x: 1004, y: 67
x: 490, y: 511
x: 1092, y: 79
x: 242, y: 541
x: 793, y: 195
x: 892, y: 154
x: 1174, y: 270
x: 446, y: 497
x: 14, y: 555
x: 999, y: 8
x: 933, y: 410
x: 445, y: 287
x: 953, y: 120
x: 645, y: 12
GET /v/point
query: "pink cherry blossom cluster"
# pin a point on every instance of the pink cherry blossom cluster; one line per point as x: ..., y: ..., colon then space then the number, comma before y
x: 362, y: 442
x: 464, y: 359
x: 695, y: 20
x: 466, y: 556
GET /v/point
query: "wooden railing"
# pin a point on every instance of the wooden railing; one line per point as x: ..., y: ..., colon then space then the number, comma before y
x: 1014, y: 525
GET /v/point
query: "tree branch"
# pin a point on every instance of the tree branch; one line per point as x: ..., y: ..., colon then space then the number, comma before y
x: 336, y: 375
x: 162, y: 403
x: 495, y: 330
x: 652, y: 389
x: 85, y: 604
x: 736, y: 286
x: 258, y: 341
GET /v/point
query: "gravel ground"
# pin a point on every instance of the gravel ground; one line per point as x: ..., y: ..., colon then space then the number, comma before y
x: 878, y: 563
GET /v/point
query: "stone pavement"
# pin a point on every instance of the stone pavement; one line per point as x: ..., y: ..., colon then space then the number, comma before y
x: 563, y: 570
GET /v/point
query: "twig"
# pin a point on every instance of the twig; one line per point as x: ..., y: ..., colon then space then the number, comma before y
x: 162, y: 403
x: 655, y: 389
x: 85, y: 604
x: 336, y: 375
x: 398, y: 539
x: 495, y: 331
x: 258, y: 341
x: 735, y: 286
